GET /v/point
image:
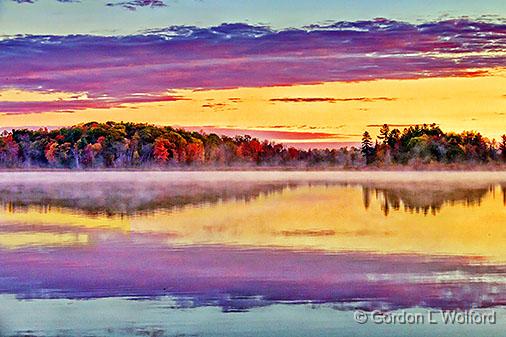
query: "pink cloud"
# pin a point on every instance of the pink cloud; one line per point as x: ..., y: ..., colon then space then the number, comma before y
x: 241, y: 55
x: 79, y: 104
x: 286, y: 135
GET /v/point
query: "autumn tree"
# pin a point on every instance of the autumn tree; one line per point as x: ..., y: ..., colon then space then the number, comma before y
x: 195, y: 152
x: 123, y: 145
x: 9, y: 151
x: 161, y: 150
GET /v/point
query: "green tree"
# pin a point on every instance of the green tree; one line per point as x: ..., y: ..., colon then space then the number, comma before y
x: 367, y: 148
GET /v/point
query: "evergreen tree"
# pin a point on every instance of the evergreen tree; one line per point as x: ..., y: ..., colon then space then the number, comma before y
x: 502, y: 147
x: 367, y: 148
x: 384, y: 133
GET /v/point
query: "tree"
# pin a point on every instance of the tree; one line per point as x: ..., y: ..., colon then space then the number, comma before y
x: 249, y: 149
x: 9, y: 151
x: 293, y: 153
x: 111, y: 144
x: 161, y: 150
x: 50, y: 153
x: 502, y: 147
x: 367, y: 148
x: 384, y: 133
x: 195, y: 152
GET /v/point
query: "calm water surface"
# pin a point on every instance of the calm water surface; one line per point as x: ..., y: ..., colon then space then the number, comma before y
x: 247, y: 254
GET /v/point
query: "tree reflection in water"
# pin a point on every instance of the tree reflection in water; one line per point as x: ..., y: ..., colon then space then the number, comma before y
x: 426, y: 199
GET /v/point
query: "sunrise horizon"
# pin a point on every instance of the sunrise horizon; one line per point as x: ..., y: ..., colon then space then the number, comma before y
x: 267, y: 168
x: 306, y: 83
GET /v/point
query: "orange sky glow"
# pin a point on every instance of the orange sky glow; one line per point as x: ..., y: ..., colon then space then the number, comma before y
x: 319, y: 115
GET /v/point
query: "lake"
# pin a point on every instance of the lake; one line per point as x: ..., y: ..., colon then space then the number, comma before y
x: 249, y: 253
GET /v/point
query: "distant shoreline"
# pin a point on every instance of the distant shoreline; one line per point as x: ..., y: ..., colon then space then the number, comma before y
x: 140, y: 147
x: 371, y: 168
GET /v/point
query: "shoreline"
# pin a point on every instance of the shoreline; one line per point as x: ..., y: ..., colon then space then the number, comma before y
x: 393, y: 168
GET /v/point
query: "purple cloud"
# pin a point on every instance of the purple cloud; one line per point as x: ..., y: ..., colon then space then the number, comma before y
x: 80, y: 104
x: 133, y: 5
x: 130, y: 5
x: 239, y: 55
x: 33, y: 1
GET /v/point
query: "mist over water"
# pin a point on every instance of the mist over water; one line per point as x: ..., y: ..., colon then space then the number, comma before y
x: 245, y: 243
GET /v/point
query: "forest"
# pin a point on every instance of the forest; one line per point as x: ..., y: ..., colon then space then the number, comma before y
x: 426, y: 144
x: 133, y: 145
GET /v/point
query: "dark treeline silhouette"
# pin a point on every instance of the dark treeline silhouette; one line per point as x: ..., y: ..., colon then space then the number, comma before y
x: 427, y: 144
x: 425, y: 199
x: 131, y: 145
x: 128, y: 197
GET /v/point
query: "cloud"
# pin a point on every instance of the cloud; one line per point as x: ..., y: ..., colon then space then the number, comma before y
x: 133, y: 5
x: 27, y: 107
x: 394, y: 125
x: 330, y: 100
x: 312, y: 145
x: 130, y: 5
x: 215, y: 105
x: 304, y: 100
x: 308, y: 232
x: 241, y: 55
x: 275, y: 135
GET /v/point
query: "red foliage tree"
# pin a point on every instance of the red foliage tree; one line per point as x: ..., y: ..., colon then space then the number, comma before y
x: 161, y: 150
x: 195, y: 152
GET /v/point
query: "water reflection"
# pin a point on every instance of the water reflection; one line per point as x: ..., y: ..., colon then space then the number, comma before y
x: 240, y: 245
x: 127, y: 198
x: 425, y: 199
x: 240, y: 279
x: 133, y: 198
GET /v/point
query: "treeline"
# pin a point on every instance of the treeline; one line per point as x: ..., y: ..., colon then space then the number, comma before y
x: 426, y: 144
x: 131, y: 145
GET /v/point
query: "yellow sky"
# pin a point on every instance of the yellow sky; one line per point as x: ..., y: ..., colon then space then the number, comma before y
x: 477, y: 103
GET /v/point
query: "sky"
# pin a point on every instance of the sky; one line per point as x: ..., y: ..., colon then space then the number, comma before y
x: 309, y: 74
